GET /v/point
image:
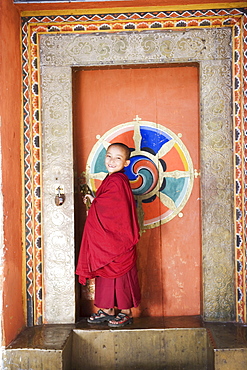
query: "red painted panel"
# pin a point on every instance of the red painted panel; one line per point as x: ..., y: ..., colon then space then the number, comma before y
x: 170, y: 255
x: 13, y: 319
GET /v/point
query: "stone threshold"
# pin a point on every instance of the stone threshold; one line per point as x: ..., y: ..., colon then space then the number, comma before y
x: 149, y: 343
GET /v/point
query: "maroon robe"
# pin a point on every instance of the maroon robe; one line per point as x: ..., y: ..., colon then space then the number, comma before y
x: 122, y: 292
x: 111, y: 231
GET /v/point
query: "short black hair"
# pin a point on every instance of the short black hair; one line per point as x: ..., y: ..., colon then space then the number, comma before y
x: 124, y: 147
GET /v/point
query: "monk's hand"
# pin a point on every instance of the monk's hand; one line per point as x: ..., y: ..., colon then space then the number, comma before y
x: 88, y: 197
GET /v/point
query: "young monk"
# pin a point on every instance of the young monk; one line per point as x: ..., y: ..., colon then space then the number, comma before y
x: 108, y: 251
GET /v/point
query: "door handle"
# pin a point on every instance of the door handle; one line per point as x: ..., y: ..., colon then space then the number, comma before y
x: 59, y: 195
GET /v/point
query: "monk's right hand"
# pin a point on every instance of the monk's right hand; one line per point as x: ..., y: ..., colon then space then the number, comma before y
x: 88, y: 197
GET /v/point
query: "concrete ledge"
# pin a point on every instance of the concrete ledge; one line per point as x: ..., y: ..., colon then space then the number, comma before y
x: 173, y: 348
x: 229, y: 341
x: 45, y: 347
x: 150, y: 343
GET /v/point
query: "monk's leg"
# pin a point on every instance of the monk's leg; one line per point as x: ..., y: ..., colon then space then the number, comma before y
x: 122, y: 292
x: 128, y: 291
x: 127, y: 296
x: 105, y: 294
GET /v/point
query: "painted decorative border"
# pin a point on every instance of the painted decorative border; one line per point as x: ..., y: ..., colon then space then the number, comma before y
x: 88, y: 23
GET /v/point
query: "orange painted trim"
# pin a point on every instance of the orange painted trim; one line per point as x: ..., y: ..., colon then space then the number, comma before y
x: 139, y: 9
x: 35, y: 154
x: 241, y: 77
x: 41, y: 303
x: 239, y: 199
x: 151, y: 20
x: 234, y: 181
x: 31, y: 164
x: 235, y: 19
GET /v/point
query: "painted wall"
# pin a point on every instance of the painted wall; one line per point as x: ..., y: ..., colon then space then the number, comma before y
x: 10, y: 115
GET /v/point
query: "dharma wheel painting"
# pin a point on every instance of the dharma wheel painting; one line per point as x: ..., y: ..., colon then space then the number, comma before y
x: 160, y: 170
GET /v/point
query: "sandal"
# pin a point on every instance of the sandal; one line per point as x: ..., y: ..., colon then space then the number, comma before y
x: 99, y: 316
x: 120, y: 320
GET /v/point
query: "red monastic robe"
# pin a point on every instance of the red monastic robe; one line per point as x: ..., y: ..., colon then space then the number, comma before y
x: 111, y: 231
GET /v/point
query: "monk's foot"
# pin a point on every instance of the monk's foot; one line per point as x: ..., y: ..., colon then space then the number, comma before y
x: 122, y: 319
x: 127, y: 311
x: 109, y: 311
x: 99, y: 317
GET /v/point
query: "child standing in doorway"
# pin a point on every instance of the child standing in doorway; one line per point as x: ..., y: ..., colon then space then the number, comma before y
x: 108, y: 251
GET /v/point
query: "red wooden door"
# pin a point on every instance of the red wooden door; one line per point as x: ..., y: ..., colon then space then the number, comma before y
x: 169, y: 255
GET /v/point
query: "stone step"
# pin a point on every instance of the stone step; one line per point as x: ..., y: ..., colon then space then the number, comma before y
x: 149, y: 343
x: 229, y: 342
x: 45, y: 347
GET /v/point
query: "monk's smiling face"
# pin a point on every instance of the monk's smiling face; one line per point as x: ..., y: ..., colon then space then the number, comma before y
x: 115, y: 159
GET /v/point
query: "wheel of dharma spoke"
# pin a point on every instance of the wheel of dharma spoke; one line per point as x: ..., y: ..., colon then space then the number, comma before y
x: 160, y: 170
